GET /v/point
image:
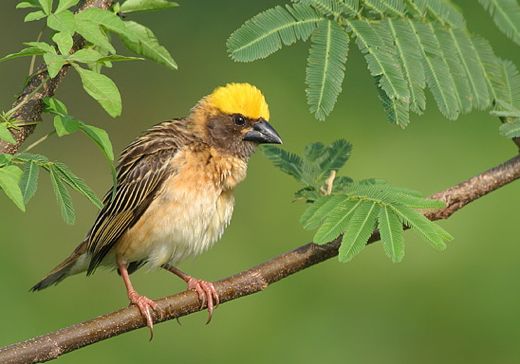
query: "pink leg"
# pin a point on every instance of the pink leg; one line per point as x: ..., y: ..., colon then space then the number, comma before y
x: 143, y: 303
x: 205, y: 290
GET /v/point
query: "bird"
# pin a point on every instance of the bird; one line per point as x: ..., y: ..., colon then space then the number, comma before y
x: 173, y: 196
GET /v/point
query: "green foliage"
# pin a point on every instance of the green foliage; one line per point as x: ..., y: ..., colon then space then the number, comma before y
x: 130, y: 6
x: 506, y: 15
x: 409, y: 46
x: 10, y: 176
x: 353, y: 210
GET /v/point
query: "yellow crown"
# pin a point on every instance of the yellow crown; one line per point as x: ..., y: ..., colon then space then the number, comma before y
x: 240, y: 98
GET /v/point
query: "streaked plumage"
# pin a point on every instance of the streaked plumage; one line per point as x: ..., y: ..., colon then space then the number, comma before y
x: 174, y: 192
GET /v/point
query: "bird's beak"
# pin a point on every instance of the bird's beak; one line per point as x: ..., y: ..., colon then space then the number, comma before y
x: 263, y: 132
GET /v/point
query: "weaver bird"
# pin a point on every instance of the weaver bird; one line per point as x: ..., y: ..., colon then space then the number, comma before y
x: 174, y: 193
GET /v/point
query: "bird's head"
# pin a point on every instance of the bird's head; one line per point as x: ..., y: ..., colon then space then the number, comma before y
x: 235, y: 117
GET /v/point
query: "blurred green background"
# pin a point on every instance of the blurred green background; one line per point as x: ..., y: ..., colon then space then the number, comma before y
x: 461, y: 305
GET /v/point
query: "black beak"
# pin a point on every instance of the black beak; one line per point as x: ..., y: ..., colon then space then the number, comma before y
x: 262, y: 132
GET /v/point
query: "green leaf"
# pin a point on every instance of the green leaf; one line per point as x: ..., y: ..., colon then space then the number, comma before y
x: 5, y: 159
x: 381, y: 59
x: 86, y: 55
x: 100, y: 137
x: 28, y: 157
x: 397, y: 110
x: 45, y: 47
x: 420, y: 223
x: 391, y: 231
x: 28, y: 4
x: 30, y: 51
x: 317, y: 211
x: 438, y: 76
x: 266, y: 32
x: 359, y: 228
x: 77, y: 183
x: 29, y: 180
x: 62, y: 196
x: 130, y: 6
x: 62, y: 22
x: 409, y: 51
x: 334, y: 158
x: 443, y: 11
x: 326, y: 67
x: 506, y: 15
x: 66, y: 125
x: 141, y: 40
x: 118, y: 58
x: 388, y: 7
x: 46, y: 6
x: 35, y: 15
x: 9, y: 182
x: 334, y: 7
x: 510, y: 130
x: 64, y: 5
x: 5, y: 134
x: 102, y: 89
x: 508, y: 84
x: 101, y: 17
x: 336, y: 221
x: 288, y: 162
x: 54, y: 106
x: 54, y: 63
x: 64, y: 42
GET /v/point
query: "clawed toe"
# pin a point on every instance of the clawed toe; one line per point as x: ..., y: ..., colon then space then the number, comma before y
x: 144, y: 304
x: 207, y: 294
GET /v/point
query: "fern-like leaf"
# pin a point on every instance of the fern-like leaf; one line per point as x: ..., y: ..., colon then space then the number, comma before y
x: 436, y: 69
x: 358, y: 229
x: 333, y: 7
x: 317, y: 211
x: 397, y: 110
x: 391, y: 231
x: 443, y: 11
x: 388, y: 7
x: 510, y: 129
x: 409, y: 52
x: 336, y: 221
x: 289, y: 163
x: 266, y: 32
x: 326, y: 67
x: 380, y: 59
x: 506, y: 15
x: 508, y: 88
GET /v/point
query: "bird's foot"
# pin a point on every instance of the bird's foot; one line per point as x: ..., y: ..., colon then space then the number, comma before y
x: 207, y: 294
x: 144, y: 304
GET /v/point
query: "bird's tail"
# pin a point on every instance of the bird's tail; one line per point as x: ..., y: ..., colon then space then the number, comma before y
x: 69, y: 266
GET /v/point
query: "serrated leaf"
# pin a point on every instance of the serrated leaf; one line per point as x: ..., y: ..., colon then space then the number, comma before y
x: 64, y: 42
x: 388, y: 7
x: 5, y: 134
x: 337, y: 154
x: 317, y: 211
x: 326, y: 67
x: 397, y: 110
x: 420, y: 223
x: 142, y: 41
x: 334, y: 7
x: 62, y: 196
x: 391, y: 231
x: 130, y: 6
x: 46, y: 6
x: 29, y: 180
x: 35, y: 15
x: 9, y: 183
x: 28, y: 157
x: 30, y: 51
x: 102, y: 89
x: 506, y: 15
x: 335, y: 222
x: 443, y: 11
x: 54, y: 63
x: 62, y: 22
x: 358, y: 229
x: 288, y: 162
x: 77, y: 183
x: 100, y: 137
x: 269, y: 30
x: 64, y: 5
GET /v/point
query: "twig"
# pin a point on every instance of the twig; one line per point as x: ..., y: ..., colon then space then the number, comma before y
x: 39, y: 87
x: 51, y: 346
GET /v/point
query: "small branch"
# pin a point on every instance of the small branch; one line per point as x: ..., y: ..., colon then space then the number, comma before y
x: 53, y: 345
x: 29, y: 104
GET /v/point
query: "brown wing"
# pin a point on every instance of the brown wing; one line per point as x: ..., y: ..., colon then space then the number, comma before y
x: 143, y: 168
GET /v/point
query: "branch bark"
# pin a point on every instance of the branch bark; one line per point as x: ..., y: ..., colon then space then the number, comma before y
x: 29, y: 105
x: 256, y: 279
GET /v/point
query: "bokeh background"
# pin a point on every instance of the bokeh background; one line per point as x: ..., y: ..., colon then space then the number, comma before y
x: 458, y: 306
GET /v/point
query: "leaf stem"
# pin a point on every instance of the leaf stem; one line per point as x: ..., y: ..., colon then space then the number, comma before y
x: 39, y: 141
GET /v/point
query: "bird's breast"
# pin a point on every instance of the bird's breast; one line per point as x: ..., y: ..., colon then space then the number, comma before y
x: 189, y: 214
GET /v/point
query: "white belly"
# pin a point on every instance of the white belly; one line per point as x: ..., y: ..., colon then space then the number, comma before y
x: 184, y: 224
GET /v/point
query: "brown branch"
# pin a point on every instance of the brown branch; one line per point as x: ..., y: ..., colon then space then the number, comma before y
x: 29, y: 105
x: 51, y: 346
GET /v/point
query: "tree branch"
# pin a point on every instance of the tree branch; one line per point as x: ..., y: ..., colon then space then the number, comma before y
x: 29, y: 105
x: 256, y: 279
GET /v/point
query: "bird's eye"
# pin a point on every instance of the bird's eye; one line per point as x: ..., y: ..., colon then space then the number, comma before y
x: 239, y: 120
